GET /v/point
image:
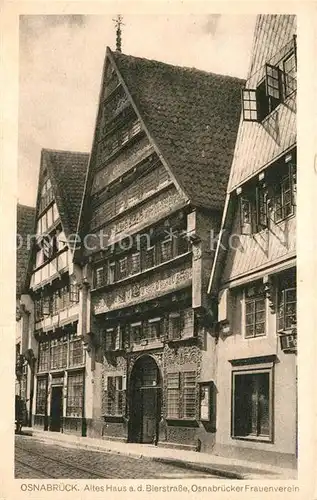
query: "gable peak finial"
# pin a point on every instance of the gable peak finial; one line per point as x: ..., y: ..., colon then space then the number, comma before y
x: 118, y: 22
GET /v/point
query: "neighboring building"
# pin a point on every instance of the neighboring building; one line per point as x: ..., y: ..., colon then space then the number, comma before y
x: 155, y: 192
x: 254, y: 272
x: 55, y: 289
x: 24, y: 307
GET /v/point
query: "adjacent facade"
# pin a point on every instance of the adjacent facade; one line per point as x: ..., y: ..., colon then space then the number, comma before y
x: 254, y: 273
x: 142, y: 325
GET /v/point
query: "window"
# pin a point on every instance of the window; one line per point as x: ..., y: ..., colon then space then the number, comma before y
x: 173, y: 393
x: 111, y: 272
x: 136, y: 127
x: 43, y: 362
x: 286, y: 295
x: 176, y: 325
x: 135, y: 263
x: 99, y: 277
x: 49, y: 215
x: 41, y: 396
x: 136, y: 332
x: 38, y: 305
x: 182, y: 244
x: 55, y: 302
x: 284, y: 198
x: 245, y: 215
x: 113, y: 339
x: 181, y: 395
x: 149, y: 258
x: 290, y: 81
x: 46, y: 306
x: 58, y: 353
x: 255, y: 311
x: 123, y: 268
x: 73, y: 293
x: 258, y: 103
x: 75, y: 395
x: 252, y: 412
x: 64, y: 297
x: 114, y: 396
x: 76, y: 351
x: 261, y: 208
x: 154, y: 328
x: 166, y: 250
x: 189, y: 397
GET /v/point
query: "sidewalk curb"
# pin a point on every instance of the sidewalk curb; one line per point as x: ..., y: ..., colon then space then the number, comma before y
x: 182, y: 464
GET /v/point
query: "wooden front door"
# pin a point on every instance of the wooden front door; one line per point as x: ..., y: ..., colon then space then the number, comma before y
x: 56, y: 408
x: 144, y: 402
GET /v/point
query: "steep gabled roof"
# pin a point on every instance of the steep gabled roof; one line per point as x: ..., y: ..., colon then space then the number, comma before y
x: 67, y: 172
x: 192, y: 117
x: 25, y: 227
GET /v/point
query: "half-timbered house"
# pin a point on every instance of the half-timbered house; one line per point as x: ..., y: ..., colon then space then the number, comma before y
x: 55, y: 289
x: 159, y: 166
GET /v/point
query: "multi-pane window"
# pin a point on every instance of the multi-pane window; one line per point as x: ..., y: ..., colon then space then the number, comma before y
x: 58, y: 353
x: 149, y: 257
x: 181, y: 395
x: 64, y: 297
x: 46, y: 194
x: 261, y: 208
x: 290, y: 81
x: 255, y: 311
x: 75, y: 394
x: 136, y: 332
x: 76, y: 351
x: 284, y: 197
x: 249, y: 100
x: 73, y: 293
x: 114, y: 396
x: 154, y: 329
x: 252, y: 412
x: 135, y: 263
x: 41, y: 396
x: 189, y: 394
x: 55, y: 302
x: 166, y: 249
x: 123, y: 268
x: 286, y: 317
x: 43, y: 363
x: 113, y: 339
x: 246, y: 213
x: 111, y: 272
x: 38, y: 306
x: 173, y: 395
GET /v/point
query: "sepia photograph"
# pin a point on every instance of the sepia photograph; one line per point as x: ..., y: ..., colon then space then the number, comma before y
x: 156, y: 302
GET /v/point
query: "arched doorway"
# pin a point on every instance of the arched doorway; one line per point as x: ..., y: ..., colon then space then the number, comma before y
x: 145, y: 401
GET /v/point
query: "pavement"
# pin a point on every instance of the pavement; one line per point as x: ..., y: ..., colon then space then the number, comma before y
x: 208, y: 463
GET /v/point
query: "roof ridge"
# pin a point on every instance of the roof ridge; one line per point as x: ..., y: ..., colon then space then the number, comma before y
x: 186, y: 69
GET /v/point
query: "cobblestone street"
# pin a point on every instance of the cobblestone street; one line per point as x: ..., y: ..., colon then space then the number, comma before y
x: 38, y: 460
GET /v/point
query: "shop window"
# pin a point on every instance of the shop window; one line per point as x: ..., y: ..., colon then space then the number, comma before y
x: 252, y: 414
x: 114, y: 396
x: 255, y: 311
x: 75, y: 395
x: 43, y: 362
x: 181, y: 395
x: 76, y: 351
x: 41, y: 396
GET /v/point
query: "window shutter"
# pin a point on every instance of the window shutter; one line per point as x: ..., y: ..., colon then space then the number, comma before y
x: 272, y: 81
x: 249, y: 105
